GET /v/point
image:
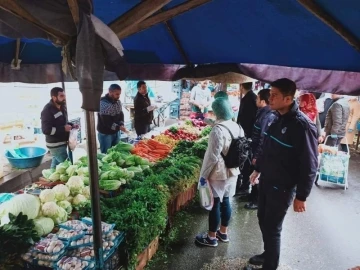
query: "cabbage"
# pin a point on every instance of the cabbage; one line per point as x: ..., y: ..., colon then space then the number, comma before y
x: 64, y: 178
x: 86, y: 180
x: 66, y: 205
x: 54, y: 177
x: 49, y: 209
x: 61, y: 168
x: 71, y: 170
x: 79, y: 201
x: 27, y: 204
x: 75, y: 184
x: 84, y: 171
x: 43, y: 225
x: 61, y: 216
x: 86, y: 192
x: 47, y: 173
x: 61, y: 192
x: 47, y: 195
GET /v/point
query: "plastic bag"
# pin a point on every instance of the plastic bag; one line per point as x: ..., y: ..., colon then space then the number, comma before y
x: 73, y: 139
x: 74, y: 225
x: 88, y: 253
x: 206, y: 195
x: 73, y: 263
x: 105, y: 227
x: 70, y: 235
x: 50, y: 246
x: 86, y: 240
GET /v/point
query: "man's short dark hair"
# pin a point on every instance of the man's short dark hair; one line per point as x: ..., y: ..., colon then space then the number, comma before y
x: 114, y: 87
x: 140, y: 83
x: 286, y: 87
x: 55, y: 91
x: 247, y: 86
x: 264, y: 94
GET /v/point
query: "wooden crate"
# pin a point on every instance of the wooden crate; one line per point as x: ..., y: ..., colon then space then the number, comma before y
x: 181, y: 200
x: 147, y: 254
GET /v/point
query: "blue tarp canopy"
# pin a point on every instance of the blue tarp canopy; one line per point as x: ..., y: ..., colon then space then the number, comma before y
x: 264, y: 39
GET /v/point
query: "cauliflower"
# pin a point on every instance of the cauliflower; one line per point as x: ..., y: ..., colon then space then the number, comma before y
x: 86, y: 192
x: 61, y: 216
x: 66, y: 205
x: 49, y: 209
x: 61, y: 192
x: 75, y: 184
x: 47, y: 195
x: 79, y: 201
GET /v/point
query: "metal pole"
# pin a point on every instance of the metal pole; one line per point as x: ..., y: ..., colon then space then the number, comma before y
x: 94, y: 187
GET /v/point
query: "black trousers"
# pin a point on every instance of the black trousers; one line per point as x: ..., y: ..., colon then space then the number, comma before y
x: 272, y: 207
x: 254, y: 195
x: 141, y: 128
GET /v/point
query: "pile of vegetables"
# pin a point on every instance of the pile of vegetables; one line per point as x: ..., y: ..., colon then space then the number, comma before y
x: 206, y: 131
x: 166, y: 140
x: 151, y: 150
x: 180, y: 134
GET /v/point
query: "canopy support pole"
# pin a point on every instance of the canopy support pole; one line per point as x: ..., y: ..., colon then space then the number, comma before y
x: 330, y: 21
x: 177, y: 43
x: 157, y: 18
x: 94, y: 187
x: 17, y: 52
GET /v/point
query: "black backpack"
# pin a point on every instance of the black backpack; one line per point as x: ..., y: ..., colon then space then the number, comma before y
x: 239, y: 151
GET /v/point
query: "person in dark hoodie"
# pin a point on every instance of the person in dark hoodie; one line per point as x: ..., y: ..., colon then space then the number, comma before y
x: 263, y: 116
x: 288, y: 165
x: 246, y: 119
x: 144, y: 111
x: 110, y: 119
x: 56, y: 127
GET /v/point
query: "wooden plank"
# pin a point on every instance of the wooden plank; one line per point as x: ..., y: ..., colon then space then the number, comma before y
x: 135, y: 15
x: 319, y: 12
x: 12, y: 7
x: 74, y: 9
x: 161, y: 17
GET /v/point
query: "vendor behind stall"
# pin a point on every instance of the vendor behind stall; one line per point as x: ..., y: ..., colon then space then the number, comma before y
x: 200, y: 99
x: 143, y: 110
x: 110, y: 119
x: 55, y: 126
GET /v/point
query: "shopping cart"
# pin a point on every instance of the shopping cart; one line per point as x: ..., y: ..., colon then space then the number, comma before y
x: 333, y: 163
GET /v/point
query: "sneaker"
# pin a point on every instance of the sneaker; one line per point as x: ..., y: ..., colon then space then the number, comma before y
x: 206, y: 241
x: 257, y: 259
x: 251, y: 206
x: 223, y: 237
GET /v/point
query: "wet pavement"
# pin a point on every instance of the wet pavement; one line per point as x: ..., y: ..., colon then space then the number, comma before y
x: 327, y: 236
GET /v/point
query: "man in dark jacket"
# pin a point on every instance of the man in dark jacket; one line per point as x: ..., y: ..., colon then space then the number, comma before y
x: 246, y: 119
x: 110, y: 119
x: 288, y: 165
x: 55, y: 126
x: 143, y: 110
x: 263, y: 116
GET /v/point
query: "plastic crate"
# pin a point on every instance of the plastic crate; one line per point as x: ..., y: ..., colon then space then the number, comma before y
x: 332, y: 179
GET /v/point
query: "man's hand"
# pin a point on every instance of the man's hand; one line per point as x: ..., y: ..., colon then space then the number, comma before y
x: 68, y: 128
x: 76, y: 126
x: 253, y: 161
x: 321, y: 139
x: 254, y: 178
x: 299, y: 206
x: 355, y: 268
x: 123, y: 129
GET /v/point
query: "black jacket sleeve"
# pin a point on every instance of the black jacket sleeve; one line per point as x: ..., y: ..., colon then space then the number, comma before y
x: 307, y: 154
x: 263, y: 127
x: 47, y: 124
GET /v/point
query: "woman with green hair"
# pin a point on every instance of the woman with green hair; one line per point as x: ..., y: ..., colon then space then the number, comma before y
x: 221, y: 94
x: 221, y: 179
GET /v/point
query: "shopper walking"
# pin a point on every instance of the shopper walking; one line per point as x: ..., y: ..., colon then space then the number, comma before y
x: 287, y: 164
x: 110, y: 119
x: 263, y: 117
x: 222, y: 180
x: 55, y: 126
x: 336, y: 121
x: 143, y: 110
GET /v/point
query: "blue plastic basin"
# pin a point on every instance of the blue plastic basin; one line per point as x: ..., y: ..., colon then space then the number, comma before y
x: 34, y: 156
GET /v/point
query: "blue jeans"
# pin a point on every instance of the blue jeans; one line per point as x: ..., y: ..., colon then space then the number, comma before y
x: 108, y: 141
x: 221, y: 211
x: 59, y: 154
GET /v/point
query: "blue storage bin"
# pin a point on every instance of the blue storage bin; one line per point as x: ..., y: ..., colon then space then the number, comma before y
x: 33, y: 157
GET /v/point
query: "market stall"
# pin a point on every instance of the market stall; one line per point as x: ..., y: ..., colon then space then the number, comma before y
x: 142, y: 186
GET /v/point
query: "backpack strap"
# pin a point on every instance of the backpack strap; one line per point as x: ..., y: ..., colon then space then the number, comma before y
x: 232, y: 137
